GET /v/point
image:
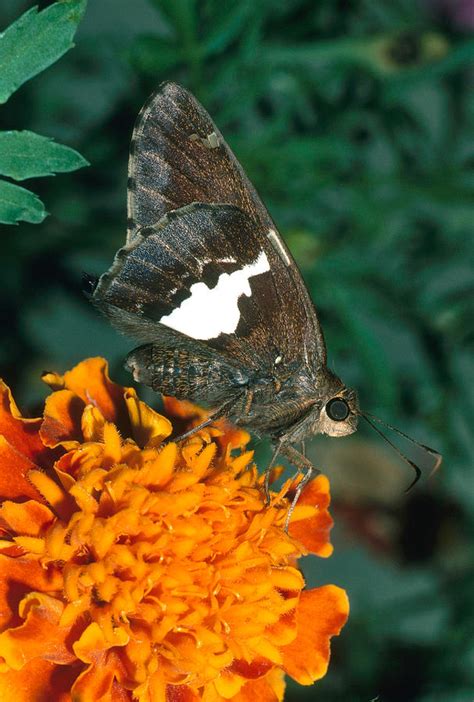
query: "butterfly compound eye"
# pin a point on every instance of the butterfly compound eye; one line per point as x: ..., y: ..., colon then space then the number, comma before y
x: 337, y: 409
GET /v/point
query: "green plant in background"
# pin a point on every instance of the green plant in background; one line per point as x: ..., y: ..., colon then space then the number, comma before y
x: 27, y: 47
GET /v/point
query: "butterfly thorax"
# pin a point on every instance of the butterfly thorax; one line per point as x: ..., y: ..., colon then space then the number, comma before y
x: 296, y: 407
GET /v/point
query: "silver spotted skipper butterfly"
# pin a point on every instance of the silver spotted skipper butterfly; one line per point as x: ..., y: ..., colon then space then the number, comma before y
x: 207, y: 285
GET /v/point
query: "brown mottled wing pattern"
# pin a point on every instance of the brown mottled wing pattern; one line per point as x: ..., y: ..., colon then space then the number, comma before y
x: 157, y: 272
x: 179, y: 157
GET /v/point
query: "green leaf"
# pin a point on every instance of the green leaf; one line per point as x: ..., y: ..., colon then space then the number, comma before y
x: 35, y: 41
x: 19, y: 204
x: 29, y: 155
x: 154, y: 54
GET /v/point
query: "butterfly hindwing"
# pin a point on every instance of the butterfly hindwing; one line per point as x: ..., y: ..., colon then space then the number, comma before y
x: 212, y: 274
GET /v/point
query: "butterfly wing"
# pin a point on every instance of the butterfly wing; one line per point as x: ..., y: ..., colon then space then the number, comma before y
x: 178, y: 156
x: 204, y: 267
x: 210, y: 273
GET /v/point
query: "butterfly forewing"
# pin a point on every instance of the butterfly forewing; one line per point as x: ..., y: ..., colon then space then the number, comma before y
x: 178, y: 156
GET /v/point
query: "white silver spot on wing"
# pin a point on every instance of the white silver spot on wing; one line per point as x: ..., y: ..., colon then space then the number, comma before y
x: 208, y: 313
x: 277, y: 245
x: 212, y: 140
x: 225, y: 259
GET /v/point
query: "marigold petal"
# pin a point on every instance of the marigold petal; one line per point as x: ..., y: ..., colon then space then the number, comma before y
x: 96, y: 682
x: 270, y: 688
x: 199, y: 462
x: 93, y: 640
x: 228, y: 684
x: 256, y: 668
x: 287, y: 578
x: 19, y: 576
x: 233, y: 436
x: 148, y: 427
x: 92, y: 423
x: 239, y: 463
x: 180, y: 693
x: 164, y: 464
x: 54, y: 380
x: 90, y: 381
x: 313, y: 531
x: 40, y: 636
x: 102, y: 680
x: 182, y: 409
x: 112, y: 444
x: 14, y: 483
x: 38, y: 680
x: 26, y: 517
x: 322, y: 612
x: 21, y: 433
x: 62, y: 420
x: 283, y: 631
x: 53, y: 493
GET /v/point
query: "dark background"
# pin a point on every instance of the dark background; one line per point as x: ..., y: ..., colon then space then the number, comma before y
x: 354, y: 121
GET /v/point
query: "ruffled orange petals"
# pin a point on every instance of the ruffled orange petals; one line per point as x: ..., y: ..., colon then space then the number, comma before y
x: 20, y: 433
x: 17, y: 430
x: 182, y: 409
x: 97, y: 681
x: 90, y: 381
x: 39, y: 681
x: 271, y: 688
x: 62, y: 419
x: 138, y: 568
x: 27, y: 518
x: 311, y: 521
x: 40, y: 636
x: 15, y: 466
x: 179, y: 693
x: 148, y: 427
x: 321, y: 614
x: 20, y: 576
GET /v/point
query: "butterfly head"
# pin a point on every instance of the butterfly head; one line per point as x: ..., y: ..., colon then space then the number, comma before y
x: 339, y: 408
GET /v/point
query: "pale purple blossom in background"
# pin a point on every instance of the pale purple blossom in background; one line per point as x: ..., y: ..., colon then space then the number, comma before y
x: 459, y: 12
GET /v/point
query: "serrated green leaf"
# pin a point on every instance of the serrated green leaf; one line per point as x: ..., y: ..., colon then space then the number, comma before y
x: 29, y: 155
x: 18, y: 204
x: 35, y: 41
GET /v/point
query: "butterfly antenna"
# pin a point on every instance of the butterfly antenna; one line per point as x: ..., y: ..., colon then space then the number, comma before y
x: 89, y: 284
x: 405, y: 458
x: 432, y: 452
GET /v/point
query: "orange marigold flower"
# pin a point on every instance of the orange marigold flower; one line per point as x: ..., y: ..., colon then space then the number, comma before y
x: 136, y: 569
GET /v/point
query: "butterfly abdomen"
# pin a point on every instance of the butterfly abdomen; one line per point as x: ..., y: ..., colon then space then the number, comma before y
x: 184, y: 374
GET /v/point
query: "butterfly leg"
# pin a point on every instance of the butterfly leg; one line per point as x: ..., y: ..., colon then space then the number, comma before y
x: 227, y: 407
x: 268, y: 470
x: 302, y: 464
x: 221, y: 411
x: 248, y: 401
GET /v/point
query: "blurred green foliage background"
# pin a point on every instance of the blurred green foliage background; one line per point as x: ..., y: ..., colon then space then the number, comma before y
x: 354, y: 119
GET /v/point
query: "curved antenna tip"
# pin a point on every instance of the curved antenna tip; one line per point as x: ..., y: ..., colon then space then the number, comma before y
x: 437, y: 456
